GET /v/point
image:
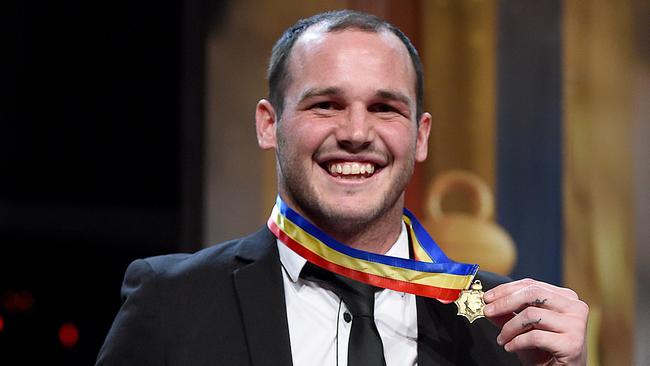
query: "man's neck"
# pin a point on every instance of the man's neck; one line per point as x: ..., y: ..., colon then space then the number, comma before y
x: 375, y: 241
x: 377, y: 236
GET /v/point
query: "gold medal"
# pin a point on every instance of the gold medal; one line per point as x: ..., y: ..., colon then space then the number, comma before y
x: 470, y: 302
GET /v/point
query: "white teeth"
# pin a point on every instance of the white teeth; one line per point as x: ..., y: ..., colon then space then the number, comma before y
x: 353, y: 168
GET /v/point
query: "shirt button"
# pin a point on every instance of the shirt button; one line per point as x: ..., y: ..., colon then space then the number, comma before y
x: 347, y: 317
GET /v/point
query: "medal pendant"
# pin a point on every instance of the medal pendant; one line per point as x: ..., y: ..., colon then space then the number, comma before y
x: 470, y: 302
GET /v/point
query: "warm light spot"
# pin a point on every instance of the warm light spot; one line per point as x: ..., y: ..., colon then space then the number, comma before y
x: 2, y: 323
x: 68, y: 335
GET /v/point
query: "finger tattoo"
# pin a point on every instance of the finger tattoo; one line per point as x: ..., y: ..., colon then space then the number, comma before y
x: 531, y: 323
x: 538, y: 302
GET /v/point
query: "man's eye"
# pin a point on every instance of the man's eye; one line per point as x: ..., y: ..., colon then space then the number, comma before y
x: 324, y: 105
x: 382, y: 108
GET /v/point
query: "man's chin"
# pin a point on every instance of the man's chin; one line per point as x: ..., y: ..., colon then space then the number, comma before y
x: 347, y: 217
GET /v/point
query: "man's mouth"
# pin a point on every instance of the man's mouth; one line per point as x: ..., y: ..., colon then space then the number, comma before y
x: 350, y: 169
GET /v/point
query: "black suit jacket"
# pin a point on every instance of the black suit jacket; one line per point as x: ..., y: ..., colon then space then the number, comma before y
x: 225, y: 305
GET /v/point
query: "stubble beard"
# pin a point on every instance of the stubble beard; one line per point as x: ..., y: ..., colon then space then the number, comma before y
x: 329, y: 217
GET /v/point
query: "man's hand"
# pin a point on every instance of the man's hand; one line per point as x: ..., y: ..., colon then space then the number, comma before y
x: 542, y: 323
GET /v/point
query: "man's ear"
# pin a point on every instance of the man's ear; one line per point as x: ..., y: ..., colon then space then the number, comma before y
x: 422, y: 142
x: 265, y: 125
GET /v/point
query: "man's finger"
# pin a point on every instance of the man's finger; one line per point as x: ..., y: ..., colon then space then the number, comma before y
x: 511, y: 287
x: 564, y: 348
x: 535, y: 339
x: 530, y: 319
x: 531, y: 296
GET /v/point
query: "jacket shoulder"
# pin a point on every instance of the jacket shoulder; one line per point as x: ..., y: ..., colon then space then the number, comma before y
x: 188, y: 300
x: 218, y: 258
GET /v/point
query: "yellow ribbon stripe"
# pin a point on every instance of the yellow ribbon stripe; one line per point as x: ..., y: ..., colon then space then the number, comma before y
x: 420, y: 254
x: 442, y: 280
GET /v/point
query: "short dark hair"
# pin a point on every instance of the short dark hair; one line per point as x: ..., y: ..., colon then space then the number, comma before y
x: 339, y: 20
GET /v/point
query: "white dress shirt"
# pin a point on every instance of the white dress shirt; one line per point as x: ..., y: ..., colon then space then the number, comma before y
x: 318, y: 330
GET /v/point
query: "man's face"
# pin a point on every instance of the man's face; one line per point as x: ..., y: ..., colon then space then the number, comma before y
x: 348, y: 137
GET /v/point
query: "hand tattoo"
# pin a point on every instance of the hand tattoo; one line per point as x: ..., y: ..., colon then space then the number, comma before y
x: 531, y: 323
x: 538, y: 302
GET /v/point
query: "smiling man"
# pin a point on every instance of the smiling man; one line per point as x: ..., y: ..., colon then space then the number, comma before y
x: 350, y: 106
x: 342, y: 274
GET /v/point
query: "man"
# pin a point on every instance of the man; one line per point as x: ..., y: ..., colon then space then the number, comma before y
x: 345, y: 119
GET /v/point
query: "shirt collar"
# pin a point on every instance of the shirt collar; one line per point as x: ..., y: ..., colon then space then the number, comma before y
x: 293, y: 263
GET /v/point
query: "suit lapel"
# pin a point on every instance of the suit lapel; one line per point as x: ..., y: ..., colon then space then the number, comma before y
x: 260, y: 293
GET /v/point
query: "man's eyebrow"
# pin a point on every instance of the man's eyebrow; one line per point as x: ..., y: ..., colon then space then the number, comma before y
x: 383, y: 94
x: 317, y: 92
x: 394, y: 95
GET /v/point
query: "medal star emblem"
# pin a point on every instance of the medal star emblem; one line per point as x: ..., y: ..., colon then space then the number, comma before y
x: 470, y: 302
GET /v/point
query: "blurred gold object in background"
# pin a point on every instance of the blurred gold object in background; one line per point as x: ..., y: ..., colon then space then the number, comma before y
x: 471, y: 237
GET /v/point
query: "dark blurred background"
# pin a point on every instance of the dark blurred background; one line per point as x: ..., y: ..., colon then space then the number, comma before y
x: 99, y: 144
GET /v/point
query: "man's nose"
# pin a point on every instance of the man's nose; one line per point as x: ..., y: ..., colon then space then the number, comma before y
x: 355, y: 130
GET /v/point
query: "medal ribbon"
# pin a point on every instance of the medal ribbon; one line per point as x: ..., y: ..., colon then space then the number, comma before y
x: 432, y: 274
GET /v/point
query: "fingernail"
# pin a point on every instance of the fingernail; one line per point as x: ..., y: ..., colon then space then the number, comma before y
x: 488, y: 295
x: 499, y: 340
x: 488, y: 309
x: 507, y: 347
